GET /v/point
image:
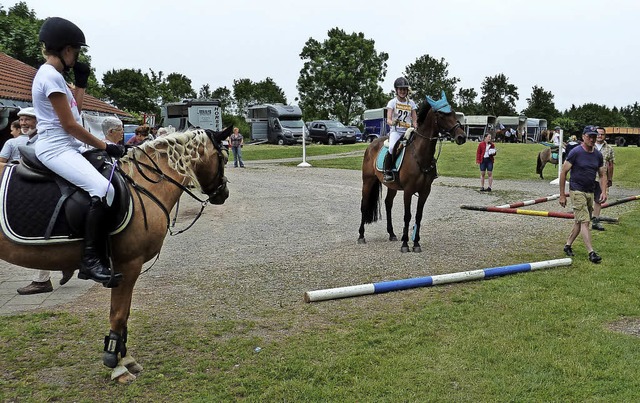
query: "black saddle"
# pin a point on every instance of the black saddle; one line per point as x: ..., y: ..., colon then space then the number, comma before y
x: 32, y: 198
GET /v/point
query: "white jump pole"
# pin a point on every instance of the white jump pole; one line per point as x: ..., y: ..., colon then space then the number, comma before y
x: 396, y: 285
x: 304, y: 163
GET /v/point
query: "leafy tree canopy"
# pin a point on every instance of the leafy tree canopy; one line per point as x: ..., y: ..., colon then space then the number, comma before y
x: 498, y: 96
x: 341, y: 76
x: 541, y: 105
x: 19, y: 29
x: 429, y: 76
x: 594, y: 114
x: 466, y: 102
x: 130, y: 90
x: 246, y: 92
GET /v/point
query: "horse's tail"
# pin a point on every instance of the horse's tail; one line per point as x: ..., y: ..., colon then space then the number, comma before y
x: 539, y: 165
x: 371, y: 205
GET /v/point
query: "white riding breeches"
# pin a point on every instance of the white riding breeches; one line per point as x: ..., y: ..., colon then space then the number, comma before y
x: 75, y: 168
x: 394, y: 136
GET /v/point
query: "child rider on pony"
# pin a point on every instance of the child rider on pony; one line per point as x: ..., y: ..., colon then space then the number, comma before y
x: 401, y: 115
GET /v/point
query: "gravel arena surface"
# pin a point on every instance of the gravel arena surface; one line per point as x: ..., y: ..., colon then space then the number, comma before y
x: 287, y: 230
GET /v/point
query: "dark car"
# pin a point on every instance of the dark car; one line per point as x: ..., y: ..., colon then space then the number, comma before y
x: 358, y: 133
x: 331, y: 132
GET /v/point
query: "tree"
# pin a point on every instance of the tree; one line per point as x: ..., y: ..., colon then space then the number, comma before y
x: 466, y: 101
x: 19, y: 30
x: 340, y: 77
x: 223, y: 94
x: 429, y: 76
x: 632, y: 114
x: 594, y: 114
x: 130, y: 90
x: 541, y: 105
x: 499, y: 97
x: 246, y: 92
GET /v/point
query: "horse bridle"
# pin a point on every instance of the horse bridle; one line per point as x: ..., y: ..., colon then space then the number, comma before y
x: 435, y: 138
x: 161, y: 176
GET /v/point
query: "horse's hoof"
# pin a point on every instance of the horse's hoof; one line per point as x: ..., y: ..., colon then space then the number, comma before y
x: 130, y: 363
x: 393, y: 238
x: 404, y: 249
x: 122, y: 375
x: 361, y: 241
x: 417, y: 249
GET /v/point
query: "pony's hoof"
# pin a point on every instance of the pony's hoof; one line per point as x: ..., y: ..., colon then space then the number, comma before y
x: 393, y: 238
x: 122, y: 375
x: 130, y: 363
x: 404, y: 249
x: 417, y: 249
x: 361, y: 241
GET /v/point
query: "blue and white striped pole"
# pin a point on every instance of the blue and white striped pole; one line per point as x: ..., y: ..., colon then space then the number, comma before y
x: 397, y: 285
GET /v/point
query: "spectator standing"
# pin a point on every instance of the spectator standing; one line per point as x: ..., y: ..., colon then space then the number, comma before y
x: 609, y: 158
x: 140, y: 136
x: 9, y: 151
x: 485, y: 154
x: 237, y: 141
x: 584, y: 162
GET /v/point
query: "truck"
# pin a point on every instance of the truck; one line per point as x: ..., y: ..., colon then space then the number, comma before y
x: 623, y: 136
x: 277, y: 124
x: 190, y: 113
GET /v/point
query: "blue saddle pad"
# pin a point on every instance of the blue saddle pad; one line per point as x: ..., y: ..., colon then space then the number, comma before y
x: 382, y: 154
x: 554, y: 156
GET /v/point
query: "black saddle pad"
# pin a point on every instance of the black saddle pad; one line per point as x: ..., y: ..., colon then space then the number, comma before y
x: 27, y: 207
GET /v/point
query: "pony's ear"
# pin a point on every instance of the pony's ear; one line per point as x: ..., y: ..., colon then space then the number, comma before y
x: 443, y: 95
x: 430, y: 101
x: 219, y: 136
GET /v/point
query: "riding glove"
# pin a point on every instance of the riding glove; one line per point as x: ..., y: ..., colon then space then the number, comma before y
x: 81, y: 72
x: 115, y: 150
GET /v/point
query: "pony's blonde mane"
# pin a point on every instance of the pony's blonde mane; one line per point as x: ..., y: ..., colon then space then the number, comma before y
x: 180, y: 148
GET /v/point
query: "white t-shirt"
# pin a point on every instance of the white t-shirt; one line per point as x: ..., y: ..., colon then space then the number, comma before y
x: 10, y: 148
x: 556, y: 138
x: 53, y: 140
x: 401, y: 113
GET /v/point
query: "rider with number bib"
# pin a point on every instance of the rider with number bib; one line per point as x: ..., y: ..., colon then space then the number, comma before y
x: 62, y: 137
x: 401, y: 115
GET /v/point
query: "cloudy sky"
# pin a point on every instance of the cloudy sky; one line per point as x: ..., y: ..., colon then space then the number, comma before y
x: 581, y: 51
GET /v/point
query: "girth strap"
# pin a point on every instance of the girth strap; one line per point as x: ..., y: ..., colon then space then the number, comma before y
x: 66, y: 193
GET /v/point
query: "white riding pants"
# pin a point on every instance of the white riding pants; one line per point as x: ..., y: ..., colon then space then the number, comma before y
x: 394, y: 136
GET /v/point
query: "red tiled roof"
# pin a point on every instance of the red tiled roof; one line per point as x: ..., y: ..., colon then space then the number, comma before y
x: 15, y: 84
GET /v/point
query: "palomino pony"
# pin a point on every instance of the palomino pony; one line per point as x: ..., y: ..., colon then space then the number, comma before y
x: 157, y: 172
x: 416, y: 174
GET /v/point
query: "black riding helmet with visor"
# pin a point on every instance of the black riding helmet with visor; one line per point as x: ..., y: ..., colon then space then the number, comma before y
x: 56, y: 33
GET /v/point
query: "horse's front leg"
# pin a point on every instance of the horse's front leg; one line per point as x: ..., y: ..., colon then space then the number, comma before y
x: 115, y: 344
x: 388, y: 204
x: 422, y: 199
x: 407, y: 221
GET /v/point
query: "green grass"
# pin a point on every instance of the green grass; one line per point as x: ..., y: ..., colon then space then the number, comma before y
x: 513, y: 161
x: 540, y: 336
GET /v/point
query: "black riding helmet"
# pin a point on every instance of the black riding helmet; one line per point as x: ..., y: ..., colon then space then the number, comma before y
x: 56, y: 33
x: 401, y: 82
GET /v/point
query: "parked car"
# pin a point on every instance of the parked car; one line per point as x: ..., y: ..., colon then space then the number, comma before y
x: 358, y: 133
x: 129, y: 131
x: 331, y: 132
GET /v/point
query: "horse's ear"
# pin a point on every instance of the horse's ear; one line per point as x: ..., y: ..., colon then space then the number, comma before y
x: 430, y: 101
x: 219, y: 136
x: 443, y: 95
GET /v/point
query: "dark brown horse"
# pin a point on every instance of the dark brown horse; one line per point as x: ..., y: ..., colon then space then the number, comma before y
x: 416, y: 174
x: 161, y: 170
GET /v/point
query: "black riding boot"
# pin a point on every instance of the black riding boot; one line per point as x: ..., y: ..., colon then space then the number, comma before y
x: 388, y: 167
x: 92, y: 265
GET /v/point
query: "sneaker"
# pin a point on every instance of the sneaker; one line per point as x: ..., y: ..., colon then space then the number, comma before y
x: 595, y: 224
x: 36, y: 288
x: 594, y: 257
x: 488, y: 189
x: 568, y: 251
x: 482, y: 189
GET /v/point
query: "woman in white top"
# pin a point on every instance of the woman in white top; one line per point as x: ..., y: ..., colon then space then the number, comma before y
x: 61, y: 135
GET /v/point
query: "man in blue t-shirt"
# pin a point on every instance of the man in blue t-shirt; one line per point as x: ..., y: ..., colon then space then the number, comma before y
x: 583, y: 162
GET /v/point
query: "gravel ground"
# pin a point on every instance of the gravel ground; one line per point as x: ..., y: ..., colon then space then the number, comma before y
x: 287, y: 230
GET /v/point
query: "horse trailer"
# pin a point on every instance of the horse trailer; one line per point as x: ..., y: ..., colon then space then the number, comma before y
x: 518, y: 123
x: 277, y: 124
x: 534, y: 128
x: 375, y: 124
x: 190, y: 113
x: 477, y: 126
